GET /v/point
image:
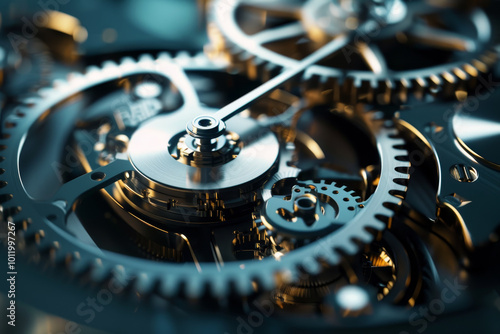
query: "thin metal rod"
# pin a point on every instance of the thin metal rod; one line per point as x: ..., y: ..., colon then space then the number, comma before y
x: 246, y: 100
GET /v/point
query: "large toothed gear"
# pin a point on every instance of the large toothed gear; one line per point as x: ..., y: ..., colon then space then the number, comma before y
x: 440, y: 50
x: 43, y: 219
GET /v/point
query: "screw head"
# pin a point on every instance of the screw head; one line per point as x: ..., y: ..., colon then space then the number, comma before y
x: 464, y: 173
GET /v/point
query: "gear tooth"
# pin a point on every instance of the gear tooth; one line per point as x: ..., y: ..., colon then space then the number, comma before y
x: 461, y: 74
x: 398, y: 193
x: 401, y: 187
x: 39, y: 238
x: 308, y: 76
x: 56, y: 256
x: 480, y: 66
x: 75, y: 77
x: 9, y: 219
x: 311, y: 266
x: 350, y: 247
x: 471, y: 70
x: 365, y: 92
x: 195, y: 287
x: 397, y: 142
x: 30, y: 101
x: 404, y: 163
x: 449, y: 83
x: 449, y: 78
x: 403, y: 86
x: 364, y: 237
x: 45, y: 92
x: 243, y: 286
x: 146, y: 59
x: 420, y: 87
x: 401, y: 176
x: 330, y: 257
x: 143, y: 284
x: 377, y: 225
x: 12, y: 121
x: 76, y: 264
x: 5, y: 198
x: 125, y: 61
x: 98, y: 271
x: 358, y: 83
x: 489, y: 58
x: 57, y: 83
x: 169, y: 286
x: 287, y: 276
x: 201, y: 60
x: 219, y: 288
x: 183, y: 58
x: 109, y: 64
x: 388, y: 210
x: 121, y: 276
x: 93, y: 69
x: 164, y: 56
x: 435, y: 83
x: 266, y: 282
x: 402, y: 156
x: 383, y: 92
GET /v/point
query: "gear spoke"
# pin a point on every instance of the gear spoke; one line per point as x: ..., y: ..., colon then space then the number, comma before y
x: 94, y: 180
x: 441, y: 39
x: 242, y: 103
x: 283, y: 32
x: 191, y: 99
x: 373, y: 57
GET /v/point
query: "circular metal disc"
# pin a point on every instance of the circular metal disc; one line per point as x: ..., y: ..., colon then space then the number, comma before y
x: 149, y: 153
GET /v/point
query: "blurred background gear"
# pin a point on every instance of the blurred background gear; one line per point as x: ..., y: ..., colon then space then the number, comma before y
x: 398, y: 49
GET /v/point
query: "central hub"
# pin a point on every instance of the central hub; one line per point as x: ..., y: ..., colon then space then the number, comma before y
x: 305, y: 207
x: 206, y: 143
x: 205, y: 127
x: 206, y: 173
